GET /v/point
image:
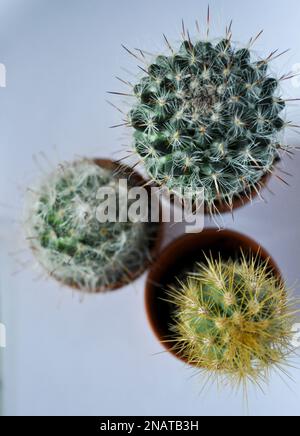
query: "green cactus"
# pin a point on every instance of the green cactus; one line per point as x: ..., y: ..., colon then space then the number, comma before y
x: 70, y: 242
x: 208, y: 117
x: 233, y: 319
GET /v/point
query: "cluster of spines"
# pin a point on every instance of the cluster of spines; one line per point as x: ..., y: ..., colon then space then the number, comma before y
x: 232, y: 319
x: 71, y: 243
x: 208, y: 116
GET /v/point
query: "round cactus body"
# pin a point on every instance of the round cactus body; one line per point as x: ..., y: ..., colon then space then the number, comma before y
x: 72, y: 244
x: 232, y: 318
x: 208, y: 117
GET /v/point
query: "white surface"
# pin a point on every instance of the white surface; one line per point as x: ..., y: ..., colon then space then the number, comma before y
x: 98, y: 356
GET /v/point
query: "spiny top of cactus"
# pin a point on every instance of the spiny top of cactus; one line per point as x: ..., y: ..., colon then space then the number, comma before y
x: 232, y: 318
x: 72, y: 244
x: 207, y: 116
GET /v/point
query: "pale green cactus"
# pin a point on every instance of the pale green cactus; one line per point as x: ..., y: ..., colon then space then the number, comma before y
x: 69, y: 241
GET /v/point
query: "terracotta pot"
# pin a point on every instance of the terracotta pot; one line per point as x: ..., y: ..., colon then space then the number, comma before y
x: 136, y: 180
x: 238, y: 200
x: 178, y: 258
x: 243, y: 199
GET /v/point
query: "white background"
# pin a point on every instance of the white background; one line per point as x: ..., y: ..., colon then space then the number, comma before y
x: 97, y: 355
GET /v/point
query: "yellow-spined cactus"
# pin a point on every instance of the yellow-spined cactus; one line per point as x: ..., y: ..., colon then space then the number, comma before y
x: 233, y: 318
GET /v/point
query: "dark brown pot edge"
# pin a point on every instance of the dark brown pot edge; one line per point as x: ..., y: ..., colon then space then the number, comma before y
x: 174, y: 247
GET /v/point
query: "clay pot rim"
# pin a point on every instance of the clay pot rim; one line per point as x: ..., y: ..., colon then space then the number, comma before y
x: 116, y: 166
x: 174, y: 247
x: 239, y: 200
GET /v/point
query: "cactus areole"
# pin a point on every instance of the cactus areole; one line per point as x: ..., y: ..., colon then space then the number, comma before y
x: 208, y: 117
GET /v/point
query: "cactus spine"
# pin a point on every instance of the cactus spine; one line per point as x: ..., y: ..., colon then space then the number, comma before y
x: 70, y: 242
x: 233, y: 319
x: 208, y: 116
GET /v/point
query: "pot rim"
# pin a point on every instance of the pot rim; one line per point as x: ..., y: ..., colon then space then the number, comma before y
x: 176, y: 247
x: 113, y: 165
x: 239, y: 200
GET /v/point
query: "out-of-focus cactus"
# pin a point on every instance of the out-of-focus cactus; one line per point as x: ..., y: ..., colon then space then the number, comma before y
x: 69, y: 241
